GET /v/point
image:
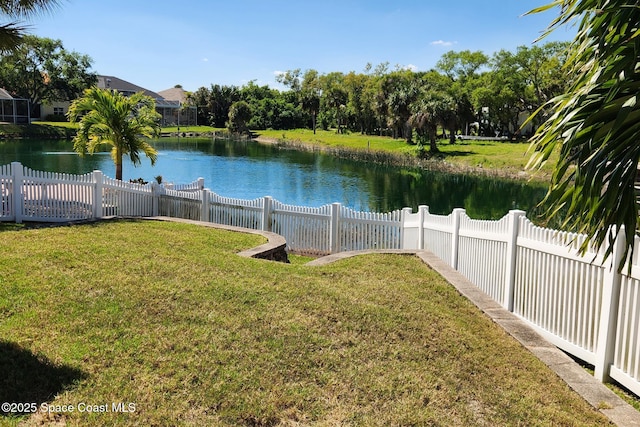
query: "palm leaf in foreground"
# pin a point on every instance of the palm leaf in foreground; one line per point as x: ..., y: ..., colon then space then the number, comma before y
x: 596, y: 124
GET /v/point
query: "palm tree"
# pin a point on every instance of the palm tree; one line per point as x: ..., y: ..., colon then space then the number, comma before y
x: 109, y: 118
x: 596, y: 124
x: 425, y: 119
x: 11, y: 33
x: 311, y: 104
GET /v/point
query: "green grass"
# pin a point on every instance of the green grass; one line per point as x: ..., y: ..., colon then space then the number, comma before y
x: 66, y: 125
x: 36, y: 130
x: 199, y: 129
x: 167, y: 317
x: 503, y: 158
x: 74, y: 126
x: 330, y: 138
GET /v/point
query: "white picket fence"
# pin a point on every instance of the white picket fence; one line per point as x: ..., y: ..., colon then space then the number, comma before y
x: 579, y: 303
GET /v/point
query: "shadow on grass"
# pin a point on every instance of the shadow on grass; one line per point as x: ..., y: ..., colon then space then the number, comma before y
x: 457, y: 153
x: 443, y: 155
x: 29, y: 378
x: 10, y: 226
x: 29, y: 225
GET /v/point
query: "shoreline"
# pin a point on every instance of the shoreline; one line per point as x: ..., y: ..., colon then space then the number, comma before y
x: 390, y: 159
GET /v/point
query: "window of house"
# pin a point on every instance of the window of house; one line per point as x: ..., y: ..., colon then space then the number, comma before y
x: 58, y: 111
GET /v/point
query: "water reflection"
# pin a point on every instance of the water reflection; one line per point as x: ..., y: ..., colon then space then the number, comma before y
x: 250, y: 170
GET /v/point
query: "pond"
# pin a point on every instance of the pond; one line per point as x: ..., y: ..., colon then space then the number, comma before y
x: 249, y: 170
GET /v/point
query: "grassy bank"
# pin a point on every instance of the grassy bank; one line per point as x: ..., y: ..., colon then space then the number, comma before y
x: 38, y: 130
x: 165, y: 317
x: 487, y: 157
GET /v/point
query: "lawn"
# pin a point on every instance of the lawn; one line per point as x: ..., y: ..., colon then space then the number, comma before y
x: 164, y: 321
x: 499, y: 157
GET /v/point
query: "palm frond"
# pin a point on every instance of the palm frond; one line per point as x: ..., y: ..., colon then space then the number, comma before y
x: 595, y: 126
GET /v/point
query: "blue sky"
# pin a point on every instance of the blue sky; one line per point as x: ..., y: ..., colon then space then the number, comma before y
x: 197, y: 43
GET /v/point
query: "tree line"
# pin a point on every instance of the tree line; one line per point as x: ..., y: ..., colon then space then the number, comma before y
x: 467, y: 92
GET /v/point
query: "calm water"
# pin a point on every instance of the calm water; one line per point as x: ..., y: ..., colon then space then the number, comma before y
x: 249, y: 170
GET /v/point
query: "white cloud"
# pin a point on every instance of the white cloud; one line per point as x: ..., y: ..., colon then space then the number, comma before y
x: 205, y: 59
x: 411, y: 67
x: 443, y: 43
x: 279, y: 73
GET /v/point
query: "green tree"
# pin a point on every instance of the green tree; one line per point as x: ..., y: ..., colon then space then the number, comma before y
x: 220, y: 100
x: 464, y: 71
x: 334, y: 97
x: 527, y: 79
x: 400, y: 89
x: 359, y: 107
x: 310, y: 95
x: 239, y: 116
x: 425, y: 120
x: 42, y: 70
x: 596, y: 124
x: 108, y: 118
x: 290, y: 79
x: 12, y: 33
x: 200, y: 100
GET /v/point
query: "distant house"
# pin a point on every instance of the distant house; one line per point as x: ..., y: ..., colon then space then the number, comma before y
x: 187, y: 115
x: 171, y: 109
x: 13, y: 110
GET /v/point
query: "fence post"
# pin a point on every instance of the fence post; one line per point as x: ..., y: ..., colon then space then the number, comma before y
x: 204, y: 197
x: 609, y: 311
x: 266, y: 213
x: 155, y: 189
x: 334, y: 235
x: 403, y: 219
x: 18, y: 205
x: 97, y: 194
x: 422, y: 212
x: 455, y: 236
x: 200, y: 183
x: 512, y: 251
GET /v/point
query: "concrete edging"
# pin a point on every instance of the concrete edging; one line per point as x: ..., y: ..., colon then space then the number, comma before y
x: 593, y: 391
x: 273, y: 250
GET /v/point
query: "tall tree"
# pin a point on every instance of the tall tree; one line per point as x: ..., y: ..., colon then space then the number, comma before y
x: 334, y: 96
x: 42, y: 70
x: 596, y: 124
x: 220, y: 100
x: 463, y: 70
x: 12, y: 33
x: 400, y: 88
x: 200, y: 100
x: 425, y: 120
x: 290, y: 79
x: 108, y: 118
x: 310, y: 95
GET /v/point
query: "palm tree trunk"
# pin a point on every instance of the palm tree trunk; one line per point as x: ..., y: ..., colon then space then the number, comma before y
x: 119, y: 164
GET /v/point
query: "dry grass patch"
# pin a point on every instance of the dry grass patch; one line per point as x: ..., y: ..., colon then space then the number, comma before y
x: 165, y: 316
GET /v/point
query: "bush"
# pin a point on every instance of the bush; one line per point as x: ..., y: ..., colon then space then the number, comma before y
x: 56, y: 118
